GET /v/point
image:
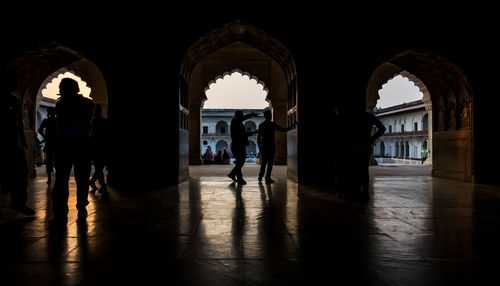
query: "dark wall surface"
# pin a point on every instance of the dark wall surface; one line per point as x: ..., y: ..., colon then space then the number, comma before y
x: 139, y: 50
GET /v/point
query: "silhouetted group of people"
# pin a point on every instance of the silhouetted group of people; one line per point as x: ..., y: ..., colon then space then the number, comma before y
x: 221, y: 158
x: 265, y: 140
x: 75, y: 135
x: 352, y: 162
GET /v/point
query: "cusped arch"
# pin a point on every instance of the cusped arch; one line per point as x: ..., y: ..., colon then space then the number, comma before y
x: 237, y: 70
x: 39, y: 64
x: 448, y: 100
x: 384, y: 73
x: 35, y: 65
x: 233, y: 32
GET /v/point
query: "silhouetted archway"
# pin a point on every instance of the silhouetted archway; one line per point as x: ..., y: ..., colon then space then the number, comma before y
x: 450, y: 96
x: 240, y: 46
x: 38, y: 66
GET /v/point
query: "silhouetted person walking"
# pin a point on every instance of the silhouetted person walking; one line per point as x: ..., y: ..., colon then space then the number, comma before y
x: 74, y: 120
x: 99, y: 143
x: 48, y: 131
x: 239, y: 137
x: 13, y: 165
x: 267, y: 145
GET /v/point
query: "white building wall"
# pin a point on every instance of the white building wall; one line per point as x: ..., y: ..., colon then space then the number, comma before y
x: 395, y: 121
x: 210, y: 120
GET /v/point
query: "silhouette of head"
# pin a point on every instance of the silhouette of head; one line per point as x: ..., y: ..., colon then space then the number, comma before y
x: 69, y: 87
x: 51, y: 111
x: 238, y: 114
x: 98, y: 110
x: 268, y: 114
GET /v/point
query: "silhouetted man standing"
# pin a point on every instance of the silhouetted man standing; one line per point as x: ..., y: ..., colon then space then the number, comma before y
x: 74, y: 115
x: 239, y: 138
x: 367, y: 121
x: 267, y: 146
x: 48, y: 131
x: 13, y: 165
x: 99, y: 141
x: 353, y: 160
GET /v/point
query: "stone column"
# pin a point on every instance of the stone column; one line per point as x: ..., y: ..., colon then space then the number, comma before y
x: 195, y: 133
x: 371, y: 102
x: 428, y: 108
x: 280, y: 117
x: 30, y: 136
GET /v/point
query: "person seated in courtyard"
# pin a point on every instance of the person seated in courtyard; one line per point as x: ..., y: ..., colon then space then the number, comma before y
x: 208, y: 156
x: 226, y: 158
x: 218, y: 158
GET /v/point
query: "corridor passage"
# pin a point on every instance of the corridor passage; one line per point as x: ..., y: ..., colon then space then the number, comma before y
x: 416, y: 230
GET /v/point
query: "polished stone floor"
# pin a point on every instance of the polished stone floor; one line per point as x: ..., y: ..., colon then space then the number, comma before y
x: 416, y: 230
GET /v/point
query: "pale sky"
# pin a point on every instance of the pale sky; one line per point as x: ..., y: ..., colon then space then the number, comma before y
x: 51, y: 90
x: 397, y: 91
x: 236, y: 91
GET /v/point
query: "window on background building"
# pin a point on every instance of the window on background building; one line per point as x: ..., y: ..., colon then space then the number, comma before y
x: 205, y: 130
x: 425, y: 122
x: 223, y: 130
x: 415, y: 126
x: 205, y: 142
x: 402, y: 128
x: 390, y: 128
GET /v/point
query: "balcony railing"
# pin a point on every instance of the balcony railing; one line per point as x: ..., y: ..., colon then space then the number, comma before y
x: 407, y: 133
x: 221, y: 135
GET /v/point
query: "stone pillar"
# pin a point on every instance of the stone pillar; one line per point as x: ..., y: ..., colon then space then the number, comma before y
x: 371, y: 102
x: 30, y: 136
x: 280, y: 117
x: 195, y: 133
x: 428, y: 108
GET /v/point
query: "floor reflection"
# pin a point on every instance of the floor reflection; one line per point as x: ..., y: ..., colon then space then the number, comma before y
x: 208, y: 231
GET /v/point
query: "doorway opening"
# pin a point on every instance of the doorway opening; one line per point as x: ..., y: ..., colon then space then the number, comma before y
x: 404, y: 107
x: 448, y: 120
x: 240, y: 47
x: 37, y: 68
x: 46, y: 98
x: 232, y: 91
